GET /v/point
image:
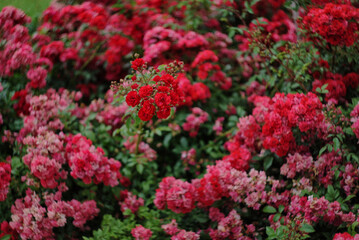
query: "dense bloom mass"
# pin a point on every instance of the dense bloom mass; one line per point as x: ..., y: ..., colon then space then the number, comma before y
x: 224, y: 120
x: 336, y: 23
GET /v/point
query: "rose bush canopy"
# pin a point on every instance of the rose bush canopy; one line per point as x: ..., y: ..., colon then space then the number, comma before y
x: 181, y: 120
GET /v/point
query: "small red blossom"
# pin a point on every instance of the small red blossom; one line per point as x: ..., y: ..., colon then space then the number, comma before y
x: 145, y: 91
x: 147, y: 111
x: 137, y: 64
x: 133, y: 99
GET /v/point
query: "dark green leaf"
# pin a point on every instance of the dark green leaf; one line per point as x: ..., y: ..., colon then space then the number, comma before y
x: 269, y: 209
x: 267, y: 163
x: 307, y: 228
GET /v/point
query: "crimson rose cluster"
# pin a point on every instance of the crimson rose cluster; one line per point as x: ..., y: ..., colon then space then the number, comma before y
x: 154, y: 94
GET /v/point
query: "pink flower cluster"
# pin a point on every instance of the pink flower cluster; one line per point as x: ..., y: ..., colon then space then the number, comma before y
x: 355, y: 120
x: 194, y: 121
x: 296, y: 163
x: 350, y: 179
x: 5, y: 179
x: 135, y: 147
x: 218, y: 125
x: 45, y: 157
x: 176, y: 194
x: 17, y: 53
x: 345, y: 236
x: 130, y: 201
x: 178, y: 234
x: 231, y: 227
x: 189, y: 157
x: 314, y: 209
x: 141, y: 233
x: 33, y: 221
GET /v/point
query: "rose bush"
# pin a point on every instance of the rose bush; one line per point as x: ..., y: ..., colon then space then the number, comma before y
x: 198, y: 119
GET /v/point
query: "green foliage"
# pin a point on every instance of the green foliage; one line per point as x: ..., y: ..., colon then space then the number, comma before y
x: 112, y: 228
x: 33, y: 9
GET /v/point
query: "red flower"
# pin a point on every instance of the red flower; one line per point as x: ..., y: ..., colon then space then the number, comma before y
x: 163, y: 89
x: 157, y: 78
x: 145, y: 91
x: 351, y: 80
x: 167, y: 79
x: 132, y: 99
x: 147, y: 111
x: 162, y: 100
x: 164, y: 113
x: 134, y: 86
x: 99, y: 22
x: 174, y: 98
x: 137, y: 63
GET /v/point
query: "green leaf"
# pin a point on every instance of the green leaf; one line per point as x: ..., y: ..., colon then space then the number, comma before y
x: 276, y: 217
x: 281, y: 208
x: 270, y: 232
x: 349, y: 197
x: 336, y: 144
x: 267, y: 163
x: 166, y: 140
x: 184, y: 142
x: 307, y: 228
x: 269, y: 209
x: 322, y: 150
x: 6, y: 237
x: 139, y: 168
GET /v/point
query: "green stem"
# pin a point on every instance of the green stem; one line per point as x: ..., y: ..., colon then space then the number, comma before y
x: 139, y: 138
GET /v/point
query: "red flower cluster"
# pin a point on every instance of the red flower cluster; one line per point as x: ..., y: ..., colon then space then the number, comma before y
x: 89, y: 163
x: 323, y: 2
x: 239, y: 158
x: 95, y: 35
x: 293, y: 110
x: 205, y: 61
x: 137, y: 64
x: 154, y: 96
x: 336, y: 23
x: 7, y: 230
x: 345, y: 236
x: 192, y: 92
x: 279, y: 28
x: 263, y: 7
x: 337, y: 85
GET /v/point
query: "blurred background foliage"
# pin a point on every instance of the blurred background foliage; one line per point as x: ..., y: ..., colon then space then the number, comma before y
x: 32, y: 8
